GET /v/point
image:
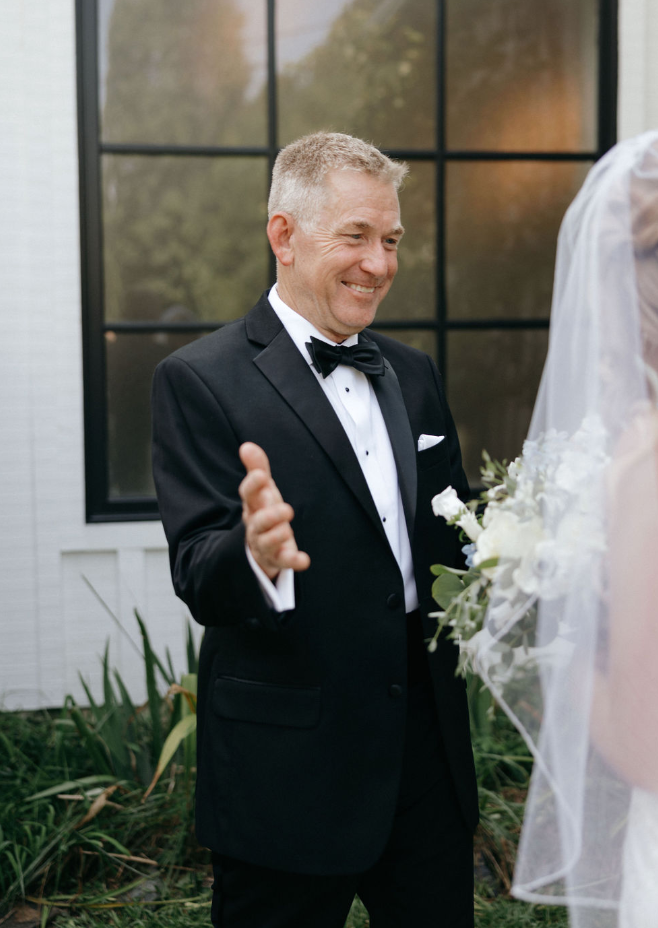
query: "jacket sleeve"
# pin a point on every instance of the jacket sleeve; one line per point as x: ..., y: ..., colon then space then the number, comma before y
x: 197, y: 472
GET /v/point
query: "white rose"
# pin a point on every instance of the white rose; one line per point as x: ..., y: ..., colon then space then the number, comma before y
x: 470, y: 525
x: 507, y: 536
x: 448, y: 504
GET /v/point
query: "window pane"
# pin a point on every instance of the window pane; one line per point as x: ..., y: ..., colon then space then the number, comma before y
x: 521, y: 74
x: 493, y: 377
x: 184, y: 238
x: 502, y: 222
x: 423, y: 339
x: 131, y: 360
x: 185, y: 73
x: 412, y: 293
x: 366, y: 67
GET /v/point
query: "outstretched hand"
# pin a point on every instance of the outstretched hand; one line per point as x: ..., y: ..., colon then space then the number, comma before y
x: 267, y: 517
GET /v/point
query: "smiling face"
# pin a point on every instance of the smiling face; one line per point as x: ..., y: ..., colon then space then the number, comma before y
x: 336, y: 271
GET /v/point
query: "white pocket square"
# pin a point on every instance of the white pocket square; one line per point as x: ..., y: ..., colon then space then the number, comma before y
x: 428, y: 441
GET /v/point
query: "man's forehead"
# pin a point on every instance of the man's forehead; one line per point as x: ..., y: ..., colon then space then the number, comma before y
x: 353, y: 195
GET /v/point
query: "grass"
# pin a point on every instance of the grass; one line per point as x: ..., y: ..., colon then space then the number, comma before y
x: 79, y: 833
x: 48, y: 852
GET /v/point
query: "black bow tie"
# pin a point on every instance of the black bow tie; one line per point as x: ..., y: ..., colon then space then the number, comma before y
x: 365, y: 357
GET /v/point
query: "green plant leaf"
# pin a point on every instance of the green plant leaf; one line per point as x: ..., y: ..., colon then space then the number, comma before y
x: 170, y: 665
x: 108, y: 839
x: 492, y: 562
x: 180, y: 731
x: 68, y: 785
x: 440, y: 569
x: 95, y: 747
x: 189, y: 683
x: 96, y: 710
x: 445, y: 588
x: 154, y: 698
x: 192, y: 658
x: 108, y: 692
x: 166, y: 676
x: 125, y: 697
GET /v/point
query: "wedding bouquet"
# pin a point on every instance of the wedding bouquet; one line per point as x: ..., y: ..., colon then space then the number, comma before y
x: 531, y: 534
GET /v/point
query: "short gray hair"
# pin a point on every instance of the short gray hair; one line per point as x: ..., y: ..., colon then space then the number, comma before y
x: 298, y: 177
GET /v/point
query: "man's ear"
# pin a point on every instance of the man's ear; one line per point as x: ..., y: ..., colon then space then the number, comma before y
x: 280, y: 231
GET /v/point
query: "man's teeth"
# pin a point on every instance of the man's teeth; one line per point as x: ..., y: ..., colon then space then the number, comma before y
x: 360, y: 289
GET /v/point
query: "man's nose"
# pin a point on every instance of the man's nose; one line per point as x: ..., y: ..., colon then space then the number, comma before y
x: 376, y: 260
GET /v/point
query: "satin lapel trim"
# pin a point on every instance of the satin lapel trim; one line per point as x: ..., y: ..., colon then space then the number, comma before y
x: 389, y: 396
x: 288, y: 373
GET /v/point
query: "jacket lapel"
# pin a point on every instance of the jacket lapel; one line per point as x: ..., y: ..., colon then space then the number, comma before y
x: 285, y: 368
x: 389, y: 396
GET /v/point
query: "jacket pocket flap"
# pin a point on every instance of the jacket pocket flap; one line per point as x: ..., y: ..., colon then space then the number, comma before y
x: 431, y: 456
x: 267, y: 703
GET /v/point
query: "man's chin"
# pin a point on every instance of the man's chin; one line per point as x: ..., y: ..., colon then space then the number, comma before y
x: 358, y: 317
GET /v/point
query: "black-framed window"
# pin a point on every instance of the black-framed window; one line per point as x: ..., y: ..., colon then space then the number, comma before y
x: 499, y: 106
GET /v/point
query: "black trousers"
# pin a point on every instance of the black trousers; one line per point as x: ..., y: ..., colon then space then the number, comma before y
x: 423, y: 878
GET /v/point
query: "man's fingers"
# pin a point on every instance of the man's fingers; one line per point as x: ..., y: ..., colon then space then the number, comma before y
x: 254, y: 458
x: 267, y: 518
x: 275, y: 550
x: 300, y: 562
x: 258, y: 490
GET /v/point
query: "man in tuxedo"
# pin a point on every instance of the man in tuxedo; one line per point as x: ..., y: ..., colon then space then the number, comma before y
x: 296, y: 453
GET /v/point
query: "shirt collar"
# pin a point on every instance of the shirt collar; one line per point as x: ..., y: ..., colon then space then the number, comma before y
x: 298, y: 327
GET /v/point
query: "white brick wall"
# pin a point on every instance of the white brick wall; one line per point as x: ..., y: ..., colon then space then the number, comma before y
x: 51, y: 626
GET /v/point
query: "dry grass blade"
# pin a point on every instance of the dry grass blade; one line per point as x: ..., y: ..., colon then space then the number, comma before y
x: 99, y: 803
x: 190, y: 696
x: 129, y: 857
x: 179, y: 732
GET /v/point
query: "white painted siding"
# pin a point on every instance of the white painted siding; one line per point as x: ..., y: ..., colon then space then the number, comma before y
x: 638, y: 67
x: 51, y: 625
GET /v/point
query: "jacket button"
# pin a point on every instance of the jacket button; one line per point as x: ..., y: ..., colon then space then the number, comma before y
x: 393, y: 601
x: 395, y: 691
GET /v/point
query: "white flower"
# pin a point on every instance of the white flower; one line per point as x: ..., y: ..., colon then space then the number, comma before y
x: 448, y: 504
x: 514, y: 469
x: 573, y: 471
x: 508, y: 536
x: 470, y: 525
x: 542, y: 571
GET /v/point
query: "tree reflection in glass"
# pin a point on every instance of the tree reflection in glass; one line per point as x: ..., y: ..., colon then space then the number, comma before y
x: 367, y: 68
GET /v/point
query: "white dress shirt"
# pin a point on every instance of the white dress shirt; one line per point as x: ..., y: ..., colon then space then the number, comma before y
x: 353, y: 400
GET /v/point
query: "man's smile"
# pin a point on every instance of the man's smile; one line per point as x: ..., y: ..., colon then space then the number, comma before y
x: 358, y: 287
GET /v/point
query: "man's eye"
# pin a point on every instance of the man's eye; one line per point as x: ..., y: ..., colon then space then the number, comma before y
x: 392, y: 241
x: 356, y: 235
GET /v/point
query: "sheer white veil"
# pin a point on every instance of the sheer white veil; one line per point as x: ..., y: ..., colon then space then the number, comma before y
x: 587, y: 701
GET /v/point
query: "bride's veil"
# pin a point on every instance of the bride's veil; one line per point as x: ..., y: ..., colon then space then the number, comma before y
x: 584, y: 690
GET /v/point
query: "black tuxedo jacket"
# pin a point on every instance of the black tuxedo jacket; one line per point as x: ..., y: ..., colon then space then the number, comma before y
x: 302, y: 715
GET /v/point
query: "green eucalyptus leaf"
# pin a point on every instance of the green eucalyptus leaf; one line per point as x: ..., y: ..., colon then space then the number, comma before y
x: 471, y: 576
x: 440, y: 569
x: 492, y: 562
x: 445, y: 588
